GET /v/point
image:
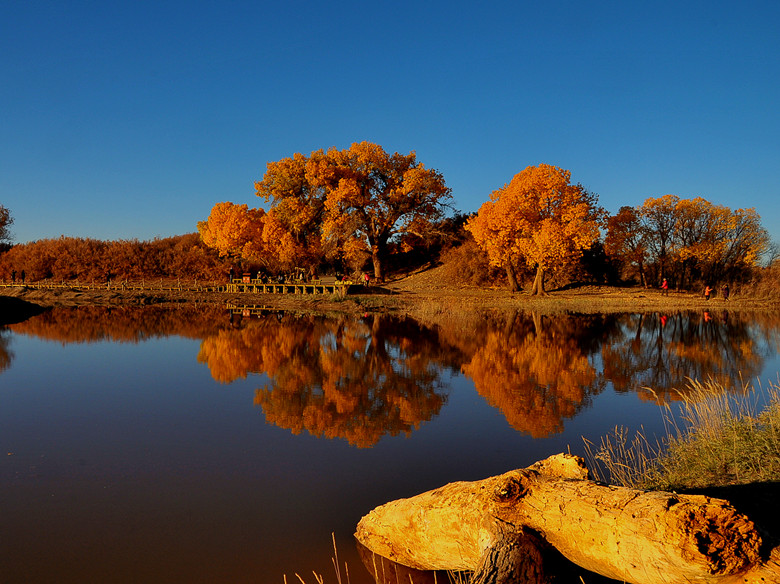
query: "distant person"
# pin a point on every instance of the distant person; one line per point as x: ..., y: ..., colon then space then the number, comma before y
x: 725, y: 291
x: 13, y: 276
x: 22, y: 276
x: 707, y: 292
x: 366, y: 279
x: 665, y: 287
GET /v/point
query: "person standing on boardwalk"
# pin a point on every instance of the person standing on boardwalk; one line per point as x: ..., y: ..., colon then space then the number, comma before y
x: 725, y: 291
x: 707, y: 292
x: 665, y: 287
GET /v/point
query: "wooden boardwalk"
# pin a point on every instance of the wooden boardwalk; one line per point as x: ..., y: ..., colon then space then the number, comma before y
x: 321, y: 286
x: 190, y: 286
x: 328, y: 285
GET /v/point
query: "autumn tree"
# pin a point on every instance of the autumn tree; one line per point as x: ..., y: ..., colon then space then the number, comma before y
x: 378, y: 196
x: 5, y: 222
x: 235, y: 231
x: 660, y: 218
x: 692, y: 239
x: 627, y: 239
x: 539, y: 218
x: 69, y: 258
x: 296, y: 189
x: 356, y: 199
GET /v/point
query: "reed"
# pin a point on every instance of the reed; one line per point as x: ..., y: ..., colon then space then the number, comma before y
x: 713, y: 437
x: 381, y: 573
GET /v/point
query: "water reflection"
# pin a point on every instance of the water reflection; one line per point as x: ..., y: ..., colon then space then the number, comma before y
x: 537, y: 369
x: 133, y: 324
x: 359, y: 379
x: 5, y: 352
x: 656, y: 354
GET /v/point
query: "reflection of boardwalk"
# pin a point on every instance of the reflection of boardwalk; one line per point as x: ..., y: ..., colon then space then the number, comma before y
x: 253, y: 310
x: 322, y: 286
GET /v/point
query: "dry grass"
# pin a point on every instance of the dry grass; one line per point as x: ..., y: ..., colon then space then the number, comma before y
x: 716, y: 438
x: 382, y: 572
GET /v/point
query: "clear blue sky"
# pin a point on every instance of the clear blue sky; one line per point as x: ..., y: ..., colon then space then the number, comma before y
x: 125, y: 120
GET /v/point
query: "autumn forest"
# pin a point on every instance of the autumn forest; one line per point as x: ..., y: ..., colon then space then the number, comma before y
x: 361, y: 209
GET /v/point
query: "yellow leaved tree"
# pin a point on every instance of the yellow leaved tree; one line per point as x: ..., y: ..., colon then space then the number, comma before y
x: 539, y: 218
x: 350, y: 203
x: 295, y: 187
x: 694, y: 240
x: 375, y: 196
x: 234, y: 230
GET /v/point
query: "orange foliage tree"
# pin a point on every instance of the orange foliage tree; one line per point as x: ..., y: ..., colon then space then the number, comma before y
x: 69, y: 258
x: 692, y: 239
x: 355, y: 200
x: 627, y: 239
x: 539, y: 218
x: 235, y: 231
x: 294, y: 187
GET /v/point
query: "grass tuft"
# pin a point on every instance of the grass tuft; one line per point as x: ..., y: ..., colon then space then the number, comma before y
x: 715, y: 438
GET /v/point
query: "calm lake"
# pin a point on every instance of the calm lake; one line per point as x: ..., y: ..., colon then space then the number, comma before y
x: 196, y: 445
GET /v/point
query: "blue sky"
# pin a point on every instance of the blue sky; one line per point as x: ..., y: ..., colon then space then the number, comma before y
x: 125, y: 120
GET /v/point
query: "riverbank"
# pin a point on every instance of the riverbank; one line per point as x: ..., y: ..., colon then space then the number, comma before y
x: 425, y: 294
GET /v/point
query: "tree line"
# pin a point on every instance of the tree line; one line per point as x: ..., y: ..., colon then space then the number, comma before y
x: 363, y: 209
x: 93, y: 260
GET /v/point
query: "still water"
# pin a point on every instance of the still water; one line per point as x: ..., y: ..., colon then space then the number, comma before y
x: 195, y: 445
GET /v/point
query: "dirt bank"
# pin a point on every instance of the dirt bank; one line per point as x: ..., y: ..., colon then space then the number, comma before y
x: 425, y: 293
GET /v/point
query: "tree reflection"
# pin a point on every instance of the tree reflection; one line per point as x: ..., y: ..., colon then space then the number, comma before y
x: 362, y: 378
x: 133, y: 324
x: 656, y: 354
x: 536, y: 369
x: 5, y: 352
x: 337, y: 378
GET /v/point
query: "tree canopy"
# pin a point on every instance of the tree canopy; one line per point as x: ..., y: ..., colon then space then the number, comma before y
x: 350, y: 203
x: 539, y: 218
x: 5, y: 222
x: 234, y: 230
x: 686, y: 240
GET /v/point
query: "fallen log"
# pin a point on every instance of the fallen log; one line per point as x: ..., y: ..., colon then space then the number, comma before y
x: 498, y: 527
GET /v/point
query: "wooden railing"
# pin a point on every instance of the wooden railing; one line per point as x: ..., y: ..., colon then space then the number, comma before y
x: 325, y: 285
x: 142, y: 285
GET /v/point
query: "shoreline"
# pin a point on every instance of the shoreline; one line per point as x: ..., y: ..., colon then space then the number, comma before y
x: 415, y: 295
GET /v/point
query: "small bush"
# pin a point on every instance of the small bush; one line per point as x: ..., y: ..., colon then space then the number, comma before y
x: 470, y: 265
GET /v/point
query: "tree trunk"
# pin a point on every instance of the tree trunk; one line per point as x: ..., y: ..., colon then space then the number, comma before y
x: 628, y: 535
x: 376, y: 259
x: 511, y: 277
x: 538, y: 286
x: 642, y: 278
